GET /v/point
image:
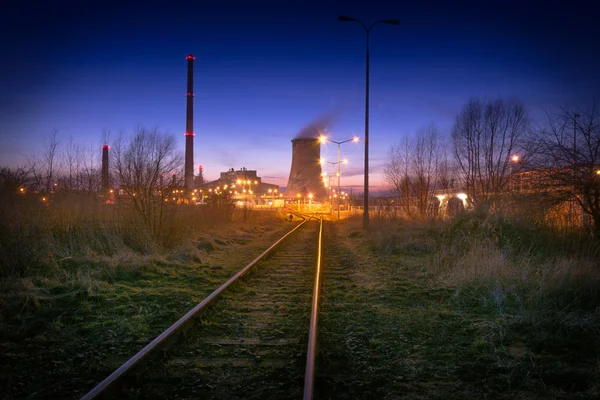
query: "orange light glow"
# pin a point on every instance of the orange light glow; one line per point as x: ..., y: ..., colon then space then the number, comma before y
x: 516, y: 158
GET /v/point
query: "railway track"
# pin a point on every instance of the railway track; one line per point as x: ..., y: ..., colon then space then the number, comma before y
x: 252, y: 338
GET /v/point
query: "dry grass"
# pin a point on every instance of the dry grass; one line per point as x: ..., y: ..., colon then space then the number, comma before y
x: 76, y: 244
x: 514, y: 308
x: 530, y: 271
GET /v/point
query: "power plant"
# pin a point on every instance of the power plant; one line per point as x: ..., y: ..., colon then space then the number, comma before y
x: 305, y: 177
x: 305, y: 174
x: 189, y: 126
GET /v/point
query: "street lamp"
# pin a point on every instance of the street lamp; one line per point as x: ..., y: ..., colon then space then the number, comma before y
x: 367, y: 30
x: 338, y: 174
x: 331, y: 184
x: 324, y: 139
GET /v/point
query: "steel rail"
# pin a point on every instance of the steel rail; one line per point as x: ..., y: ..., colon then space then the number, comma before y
x: 110, y: 382
x: 309, y: 374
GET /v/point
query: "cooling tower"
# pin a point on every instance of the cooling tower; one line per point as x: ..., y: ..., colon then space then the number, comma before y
x: 305, y: 174
x: 105, y: 182
x: 189, y: 125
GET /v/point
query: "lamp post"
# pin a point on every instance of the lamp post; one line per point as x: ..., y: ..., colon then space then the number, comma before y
x: 330, y: 183
x: 324, y: 139
x: 368, y: 31
x: 338, y: 174
x: 573, y: 201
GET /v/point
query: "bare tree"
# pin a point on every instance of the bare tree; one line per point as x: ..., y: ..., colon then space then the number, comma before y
x: 70, y: 162
x: 568, y: 160
x: 425, y: 161
x: 88, y: 170
x: 485, y: 136
x: 413, y: 170
x: 396, y: 173
x: 139, y: 164
x: 50, y: 159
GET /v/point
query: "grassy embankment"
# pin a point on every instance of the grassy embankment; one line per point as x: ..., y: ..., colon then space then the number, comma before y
x: 478, y: 307
x: 83, y: 286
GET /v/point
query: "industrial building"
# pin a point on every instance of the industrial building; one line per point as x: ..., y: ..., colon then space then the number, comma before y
x: 242, y: 181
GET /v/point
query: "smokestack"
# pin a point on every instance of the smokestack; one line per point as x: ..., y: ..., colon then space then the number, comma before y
x: 105, y: 182
x: 305, y: 174
x: 189, y: 125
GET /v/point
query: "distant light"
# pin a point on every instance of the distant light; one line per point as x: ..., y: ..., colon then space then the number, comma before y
x: 462, y: 196
x: 190, y: 134
x: 516, y: 158
x: 322, y: 139
x: 441, y: 197
x: 106, y: 146
x: 355, y: 139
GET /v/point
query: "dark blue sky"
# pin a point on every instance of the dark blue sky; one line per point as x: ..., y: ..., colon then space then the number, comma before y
x: 265, y: 69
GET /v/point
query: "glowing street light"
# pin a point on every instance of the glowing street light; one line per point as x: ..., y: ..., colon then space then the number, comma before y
x: 324, y: 139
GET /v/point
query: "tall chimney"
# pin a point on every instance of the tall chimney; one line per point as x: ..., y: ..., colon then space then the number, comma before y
x: 189, y: 126
x: 305, y: 174
x: 105, y: 182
